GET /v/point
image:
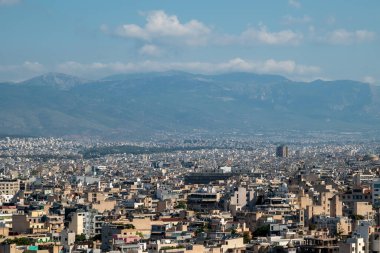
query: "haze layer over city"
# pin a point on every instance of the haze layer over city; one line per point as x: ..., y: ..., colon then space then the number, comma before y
x: 189, y: 126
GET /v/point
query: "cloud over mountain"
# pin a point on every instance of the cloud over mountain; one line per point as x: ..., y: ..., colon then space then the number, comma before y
x: 161, y: 26
x: 270, y: 66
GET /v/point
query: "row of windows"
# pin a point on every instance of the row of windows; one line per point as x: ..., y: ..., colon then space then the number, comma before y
x: 356, y: 197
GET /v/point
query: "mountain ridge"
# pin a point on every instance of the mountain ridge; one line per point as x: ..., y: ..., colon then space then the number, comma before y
x: 54, y: 79
x: 147, y: 104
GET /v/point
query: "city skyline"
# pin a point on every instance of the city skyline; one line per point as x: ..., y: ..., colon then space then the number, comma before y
x: 189, y: 126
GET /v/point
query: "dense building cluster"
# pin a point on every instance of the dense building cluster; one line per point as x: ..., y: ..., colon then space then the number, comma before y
x: 249, y: 195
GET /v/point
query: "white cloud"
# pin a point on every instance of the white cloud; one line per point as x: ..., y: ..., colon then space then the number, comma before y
x: 133, y: 31
x: 271, y: 66
x: 25, y: 66
x: 150, y: 50
x: 73, y: 67
x: 369, y: 79
x: 288, y: 68
x: 364, y: 35
x: 294, y: 3
x: 18, y: 72
x: 163, y: 29
x: 163, y: 25
x: 290, y: 20
x: 33, y: 66
x: 161, y: 32
x: 342, y: 36
x: 9, y: 2
x: 160, y: 26
x: 262, y: 35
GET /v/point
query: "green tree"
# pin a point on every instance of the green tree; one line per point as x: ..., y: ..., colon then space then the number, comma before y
x: 357, y: 217
x: 130, y: 226
x: 80, y: 238
x: 97, y: 237
x: 19, y: 241
x: 246, y: 237
x: 172, y: 247
x: 261, y: 231
x: 181, y: 205
x: 312, y: 227
x: 140, y: 234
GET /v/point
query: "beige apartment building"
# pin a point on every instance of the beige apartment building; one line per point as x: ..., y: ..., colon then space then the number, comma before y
x: 9, y: 186
x: 329, y: 204
x: 364, y: 209
x: 29, y: 223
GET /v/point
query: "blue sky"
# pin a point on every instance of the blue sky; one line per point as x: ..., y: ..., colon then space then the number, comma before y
x: 302, y: 40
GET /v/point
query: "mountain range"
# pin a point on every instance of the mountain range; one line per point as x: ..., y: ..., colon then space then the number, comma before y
x: 125, y: 105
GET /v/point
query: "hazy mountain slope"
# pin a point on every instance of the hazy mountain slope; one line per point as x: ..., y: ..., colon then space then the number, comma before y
x: 142, y: 104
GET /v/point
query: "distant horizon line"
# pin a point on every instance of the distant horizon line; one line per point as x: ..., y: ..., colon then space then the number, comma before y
x: 176, y: 71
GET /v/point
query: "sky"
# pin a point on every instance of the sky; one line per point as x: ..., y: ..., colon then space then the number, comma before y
x: 302, y: 40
